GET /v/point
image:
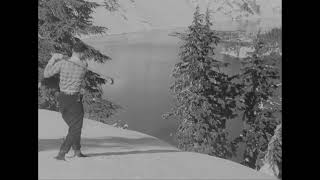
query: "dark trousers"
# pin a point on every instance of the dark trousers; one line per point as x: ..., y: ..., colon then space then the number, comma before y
x: 72, y: 112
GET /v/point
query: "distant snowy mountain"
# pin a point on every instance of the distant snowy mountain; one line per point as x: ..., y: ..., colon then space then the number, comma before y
x: 143, y: 15
x: 240, y: 9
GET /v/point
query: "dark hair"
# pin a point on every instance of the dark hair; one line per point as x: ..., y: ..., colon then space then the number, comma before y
x: 79, y: 47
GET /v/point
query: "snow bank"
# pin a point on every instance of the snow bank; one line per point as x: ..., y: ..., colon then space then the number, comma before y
x: 119, y: 154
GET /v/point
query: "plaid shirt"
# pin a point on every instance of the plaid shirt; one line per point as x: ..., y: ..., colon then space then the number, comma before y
x: 71, y: 75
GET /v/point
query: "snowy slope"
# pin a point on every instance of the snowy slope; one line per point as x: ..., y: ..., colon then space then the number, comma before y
x: 117, y: 153
x: 143, y: 15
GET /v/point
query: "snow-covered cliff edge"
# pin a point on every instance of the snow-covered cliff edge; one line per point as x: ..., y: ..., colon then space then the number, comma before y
x: 116, y: 153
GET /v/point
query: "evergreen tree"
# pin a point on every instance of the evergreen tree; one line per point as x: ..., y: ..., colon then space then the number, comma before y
x: 205, y: 96
x: 261, y: 97
x: 60, y: 22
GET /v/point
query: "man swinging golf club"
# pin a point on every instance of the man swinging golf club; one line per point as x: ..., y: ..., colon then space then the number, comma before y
x: 72, y: 73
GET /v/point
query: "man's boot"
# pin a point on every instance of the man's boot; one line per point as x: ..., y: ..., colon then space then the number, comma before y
x: 78, y: 153
x: 61, y: 156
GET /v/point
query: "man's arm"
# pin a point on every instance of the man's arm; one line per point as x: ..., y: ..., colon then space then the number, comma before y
x: 52, y: 68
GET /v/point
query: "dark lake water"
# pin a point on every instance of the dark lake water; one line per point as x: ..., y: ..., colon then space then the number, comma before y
x: 141, y: 65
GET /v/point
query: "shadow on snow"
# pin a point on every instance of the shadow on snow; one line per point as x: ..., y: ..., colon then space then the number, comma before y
x: 108, y: 143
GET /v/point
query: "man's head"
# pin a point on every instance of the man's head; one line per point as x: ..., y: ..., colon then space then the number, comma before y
x: 78, y: 49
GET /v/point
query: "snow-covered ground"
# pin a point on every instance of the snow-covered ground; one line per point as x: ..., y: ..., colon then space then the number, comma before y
x: 119, y: 154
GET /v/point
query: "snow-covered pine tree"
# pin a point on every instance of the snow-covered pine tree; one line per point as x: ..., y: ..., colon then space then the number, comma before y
x: 205, y: 96
x: 261, y: 97
x: 59, y: 24
x: 272, y: 161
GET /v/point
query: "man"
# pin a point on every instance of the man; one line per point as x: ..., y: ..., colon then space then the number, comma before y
x: 72, y: 73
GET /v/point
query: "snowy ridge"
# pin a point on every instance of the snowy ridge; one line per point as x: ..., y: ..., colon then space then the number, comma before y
x: 116, y: 153
x: 144, y: 15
